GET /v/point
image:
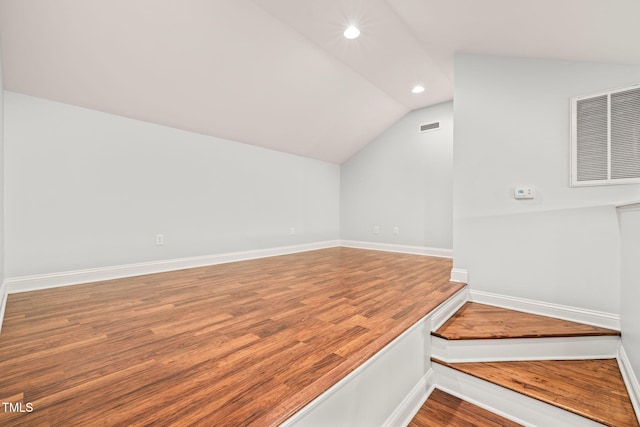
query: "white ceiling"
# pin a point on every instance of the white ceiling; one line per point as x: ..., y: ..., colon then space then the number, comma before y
x: 279, y: 73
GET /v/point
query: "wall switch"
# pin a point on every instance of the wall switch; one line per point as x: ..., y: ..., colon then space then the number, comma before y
x: 396, y: 231
x: 159, y: 239
x: 376, y: 229
x: 524, y: 193
x: 292, y: 231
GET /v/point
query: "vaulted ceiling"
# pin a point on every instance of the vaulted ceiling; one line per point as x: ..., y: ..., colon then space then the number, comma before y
x: 279, y: 73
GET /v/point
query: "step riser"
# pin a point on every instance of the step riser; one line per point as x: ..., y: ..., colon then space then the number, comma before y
x: 515, y: 349
x: 512, y: 405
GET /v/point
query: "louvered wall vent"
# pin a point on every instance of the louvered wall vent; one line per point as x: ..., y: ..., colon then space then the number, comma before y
x: 430, y: 127
x: 605, y: 138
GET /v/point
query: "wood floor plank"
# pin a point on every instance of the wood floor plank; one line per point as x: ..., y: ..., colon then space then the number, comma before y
x: 480, y: 321
x: 246, y: 343
x: 444, y: 410
x: 591, y: 388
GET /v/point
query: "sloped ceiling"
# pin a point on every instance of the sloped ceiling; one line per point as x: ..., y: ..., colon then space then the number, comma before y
x: 279, y: 73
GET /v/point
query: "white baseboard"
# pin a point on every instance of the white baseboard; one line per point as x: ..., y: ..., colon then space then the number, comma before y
x: 630, y: 380
x: 506, y: 403
x: 67, y: 278
x: 53, y: 280
x: 45, y: 281
x: 503, y: 350
x: 448, y: 308
x: 412, y: 403
x: 459, y: 275
x: 388, y: 247
x: 629, y: 206
x: 3, y: 301
x: 575, y: 314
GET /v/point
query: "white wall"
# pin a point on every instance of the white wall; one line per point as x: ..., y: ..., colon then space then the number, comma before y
x: 1, y: 177
x: 403, y: 179
x: 87, y: 189
x: 2, y: 275
x: 630, y: 315
x: 512, y: 128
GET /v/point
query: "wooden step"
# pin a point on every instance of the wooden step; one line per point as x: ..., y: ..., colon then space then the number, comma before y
x: 479, y: 321
x: 593, y: 389
x: 442, y: 409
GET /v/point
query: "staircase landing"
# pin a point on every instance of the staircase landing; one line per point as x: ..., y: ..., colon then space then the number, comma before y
x: 479, y: 321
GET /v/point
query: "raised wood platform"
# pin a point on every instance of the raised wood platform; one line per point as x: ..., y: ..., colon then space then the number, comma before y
x: 479, y: 321
x: 445, y: 410
x: 590, y: 388
x: 246, y: 343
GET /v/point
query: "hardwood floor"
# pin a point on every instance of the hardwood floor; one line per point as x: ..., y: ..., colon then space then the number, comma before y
x: 245, y: 343
x: 444, y: 410
x: 479, y: 321
x: 591, y: 388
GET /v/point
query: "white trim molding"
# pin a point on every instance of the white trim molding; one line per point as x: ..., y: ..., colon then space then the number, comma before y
x: 405, y: 249
x: 54, y: 280
x: 629, y: 206
x: 412, y: 403
x: 67, y: 278
x: 459, y: 275
x: 3, y: 301
x: 575, y: 314
x: 444, y: 311
x: 513, y: 349
x: 630, y: 380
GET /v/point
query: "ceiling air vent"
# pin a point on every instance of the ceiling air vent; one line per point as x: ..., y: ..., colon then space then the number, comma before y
x: 430, y: 127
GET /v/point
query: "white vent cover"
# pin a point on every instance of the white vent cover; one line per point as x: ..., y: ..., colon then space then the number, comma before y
x: 430, y: 127
x: 605, y: 138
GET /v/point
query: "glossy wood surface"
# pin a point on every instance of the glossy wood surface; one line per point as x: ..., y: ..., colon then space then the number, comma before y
x: 591, y: 388
x: 444, y: 410
x: 246, y: 343
x: 480, y: 321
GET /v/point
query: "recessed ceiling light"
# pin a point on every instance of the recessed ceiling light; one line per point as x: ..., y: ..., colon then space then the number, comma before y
x: 417, y: 89
x: 352, y: 32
